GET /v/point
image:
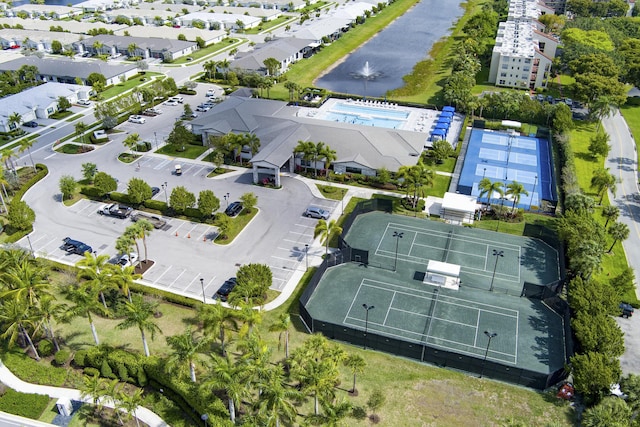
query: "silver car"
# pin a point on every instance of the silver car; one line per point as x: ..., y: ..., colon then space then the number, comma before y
x: 316, y: 212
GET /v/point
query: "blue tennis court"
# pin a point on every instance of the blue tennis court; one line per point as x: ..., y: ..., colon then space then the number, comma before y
x: 508, y: 157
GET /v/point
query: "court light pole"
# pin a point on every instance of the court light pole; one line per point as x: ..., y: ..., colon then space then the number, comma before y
x: 367, y: 308
x: 204, y: 298
x: 398, y: 236
x: 226, y: 198
x: 306, y: 254
x: 164, y: 187
x: 489, y: 335
x: 498, y: 255
x: 535, y: 183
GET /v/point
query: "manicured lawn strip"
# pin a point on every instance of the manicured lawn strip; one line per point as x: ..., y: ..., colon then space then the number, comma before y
x: 333, y: 193
x: 218, y: 171
x: 440, y: 186
x: 236, y: 226
x: 129, y: 84
x: 190, y: 151
x: 73, y: 149
x: 264, y: 27
x: 77, y: 196
x: 200, y: 53
x: 580, y: 138
x: 72, y: 118
x: 448, y: 165
x: 631, y: 113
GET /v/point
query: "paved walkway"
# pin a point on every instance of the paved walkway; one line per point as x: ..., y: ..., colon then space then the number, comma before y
x: 7, y: 378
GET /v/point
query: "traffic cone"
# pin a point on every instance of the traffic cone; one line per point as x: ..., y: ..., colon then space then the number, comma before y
x: 204, y: 238
x: 176, y: 234
x: 189, y: 236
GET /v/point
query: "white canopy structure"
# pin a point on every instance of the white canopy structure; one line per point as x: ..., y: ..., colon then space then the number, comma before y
x: 442, y: 274
x: 458, y: 208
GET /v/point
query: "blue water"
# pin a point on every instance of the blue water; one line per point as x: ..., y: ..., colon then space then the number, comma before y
x: 526, y: 160
x: 50, y: 2
x: 395, y: 50
x: 355, y: 119
x: 360, y: 109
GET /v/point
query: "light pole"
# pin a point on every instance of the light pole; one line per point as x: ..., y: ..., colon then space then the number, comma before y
x: 306, y: 254
x: 164, y: 187
x: 226, y: 198
x: 155, y: 137
x: 204, y: 298
x: 484, y: 173
x: 366, y: 322
x: 502, y: 201
x: 498, y: 255
x: 204, y: 417
x: 535, y: 183
x: 30, y: 247
x: 489, y: 335
x: 398, y: 236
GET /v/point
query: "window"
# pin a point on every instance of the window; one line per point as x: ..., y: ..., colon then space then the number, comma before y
x: 501, y: 82
x: 527, y: 61
x: 349, y: 169
x: 503, y: 74
x: 505, y: 67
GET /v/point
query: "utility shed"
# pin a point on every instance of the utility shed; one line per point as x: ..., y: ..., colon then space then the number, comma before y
x: 458, y: 208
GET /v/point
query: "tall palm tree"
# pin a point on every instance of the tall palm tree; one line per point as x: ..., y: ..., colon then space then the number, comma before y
x: 25, y: 145
x: 224, y: 65
x: 602, y: 180
x: 186, y: 348
x: 216, y: 319
x: 619, y: 231
x: 139, y: 313
x: 307, y: 149
x: 356, y: 364
x: 124, y: 278
x: 332, y: 413
x: 14, y: 119
x: 7, y: 159
x: 230, y: 376
x: 16, y: 316
x: 416, y: 177
x: 325, y: 230
x: 516, y: 190
x: 125, y: 243
x: 256, y: 355
x: 49, y: 309
x: 317, y: 378
x: 611, y: 213
x: 282, y: 326
x: 144, y: 229
x: 131, y: 141
x: 210, y: 68
x: 250, y: 318
x: 276, y: 400
x: 252, y: 142
x: 131, y: 49
x: 25, y: 282
x: 85, y: 304
x: 329, y: 155
x: 489, y: 188
x: 3, y: 183
x: 96, y: 270
x: 97, y: 46
x: 81, y: 127
x: 131, y: 402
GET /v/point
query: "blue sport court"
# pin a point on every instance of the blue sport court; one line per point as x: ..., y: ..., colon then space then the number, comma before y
x: 508, y: 157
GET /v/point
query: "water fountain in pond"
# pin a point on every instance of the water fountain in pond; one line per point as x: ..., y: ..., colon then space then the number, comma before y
x: 366, y: 73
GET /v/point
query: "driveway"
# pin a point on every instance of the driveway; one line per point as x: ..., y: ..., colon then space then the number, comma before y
x: 623, y: 164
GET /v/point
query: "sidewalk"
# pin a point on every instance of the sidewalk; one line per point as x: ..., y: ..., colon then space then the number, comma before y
x: 10, y: 380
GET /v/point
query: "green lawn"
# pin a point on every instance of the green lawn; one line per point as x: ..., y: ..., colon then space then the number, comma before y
x: 119, y: 88
x: 631, y: 113
x: 74, y: 149
x: 236, y: 225
x: 264, y: 27
x: 208, y: 50
x: 330, y: 192
x: 580, y: 138
x: 187, y: 151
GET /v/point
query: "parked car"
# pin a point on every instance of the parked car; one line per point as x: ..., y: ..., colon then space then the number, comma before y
x: 190, y: 116
x: 627, y: 309
x: 225, y: 289
x: 137, y: 119
x: 75, y: 246
x: 177, y: 99
x: 233, y: 209
x: 211, y: 92
x: 568, y: 101
x: 154, y: 191
x: 203, y: 109
x: 84, y: 102
x: 177, y: 170
x: 149, y: 112
x: 30, y: 124
x: 540, y: 97
x: 157, y: 222
x: 125, y: 261
x: 171, y: 103
x: 316, y: 212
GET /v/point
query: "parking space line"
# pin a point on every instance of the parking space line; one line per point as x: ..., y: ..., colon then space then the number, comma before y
x: 295, y: 232
x: 176, y: 279
x: 285, y: 259
x: 162, y: 164
x: 196, y: 279
x: 163, y: 273
x: 198, y: 171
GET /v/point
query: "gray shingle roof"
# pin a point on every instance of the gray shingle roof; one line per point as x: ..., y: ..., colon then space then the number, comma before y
x: 151, y: 43
x: 67, y: 68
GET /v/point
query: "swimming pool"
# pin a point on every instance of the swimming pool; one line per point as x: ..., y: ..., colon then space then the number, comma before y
x: 382, y: 115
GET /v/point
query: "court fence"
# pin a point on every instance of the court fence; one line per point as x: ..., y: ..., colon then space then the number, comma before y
x: 349, y: 253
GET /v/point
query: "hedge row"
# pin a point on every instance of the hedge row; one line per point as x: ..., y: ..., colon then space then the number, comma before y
x: 113, y: 363
x: 569, y: 178
x: 23, y: 404
x: 42, y: 172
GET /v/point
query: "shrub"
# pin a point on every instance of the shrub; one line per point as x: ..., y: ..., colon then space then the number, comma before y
x: 79, y: 358
x: 193, y: 213
x: 119, y: 197
x: 105, y: 370
x: 61, y: 357
x: 45, y: 348
x: 29, y: 370
x: 94, y: 357
x: 42, y: 172
x: 23, y: 404
x: 91, y: 192
x: 92, y: 372
x: 155, y: 205
x: 186, y: 91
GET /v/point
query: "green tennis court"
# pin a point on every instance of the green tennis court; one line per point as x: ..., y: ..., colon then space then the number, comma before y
x: 429, y: 317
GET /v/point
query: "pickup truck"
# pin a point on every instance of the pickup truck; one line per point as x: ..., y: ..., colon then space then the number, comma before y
x: 75, y: 246
x: 154, y: 220
x: 116, y: 210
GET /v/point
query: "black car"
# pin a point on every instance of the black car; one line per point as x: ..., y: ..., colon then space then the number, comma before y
x: 627, y: 309
x: 30, y: 124
x: 75, y: 246
x: 234, y: 209
x: 225, y: 289
x: 154, y: 191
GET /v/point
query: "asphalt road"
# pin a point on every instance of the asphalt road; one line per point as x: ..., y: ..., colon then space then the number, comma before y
x: 622, y: 162
x: 183, y: 251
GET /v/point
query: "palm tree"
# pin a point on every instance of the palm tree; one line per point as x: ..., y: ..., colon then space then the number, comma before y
x: 96, y: 271
x: 14, y: 119
x: 97, y: 45
x: 131, y: 402
x: 415, y: 178
x: 318, y: 149
x: 185, y: 351
x: 124, y: 278
x: 316, y: 378
x: 282, y: 326
x: 611, y: 213
x: 232, y: 377
x: 131, y: 49
x: 489, y: 188
x: 95, y: 387
x: 224, y: 65
x: 356, y: 364
x: 332, y: 414
x: 48, y: 310
x: 3, y: 183
x: 619, y: 231
x: 307, y: 149
x: 16, y: 316
x: 250, y: 318
x: 253, y: 142
x: 81, y: 127
x: 216, y: 319
x: 25, y: 145
x: 131, y: 141
x: 144, y: 229
x: 276, y: 399
x: 325, y: 230
x: 292, y: 88
x: 329, y: 155
x: 602, y: 180
x: 7, y: 158
x: 85, y: 303
x: 210, y: 67
x: 25, y: 282
x: 516, y: 190
x: 139, y: 313
x: 256, y: 355
x: 601, y: 108
x: 125, y: 243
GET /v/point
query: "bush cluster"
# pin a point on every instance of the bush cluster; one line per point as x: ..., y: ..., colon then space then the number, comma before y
x: 23, y: 404
x: 112, y: 363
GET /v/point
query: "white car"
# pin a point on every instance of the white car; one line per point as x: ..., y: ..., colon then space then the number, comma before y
x: 172, y: 103
x: 84, y: 102
x: 137, y: 119
x: 125, y: 261
x: 211, y: 92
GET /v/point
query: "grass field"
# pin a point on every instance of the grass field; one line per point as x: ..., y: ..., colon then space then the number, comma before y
x: 631, y: 113
x: 188, y: 151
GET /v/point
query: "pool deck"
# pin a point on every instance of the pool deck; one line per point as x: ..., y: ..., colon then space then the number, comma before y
x: 419, y: 120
